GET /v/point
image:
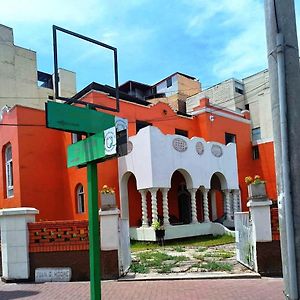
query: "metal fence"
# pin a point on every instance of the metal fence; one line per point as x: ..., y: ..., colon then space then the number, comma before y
x: 244, y: 239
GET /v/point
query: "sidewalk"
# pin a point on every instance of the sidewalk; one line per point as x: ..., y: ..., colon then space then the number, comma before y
x: 220, y: 289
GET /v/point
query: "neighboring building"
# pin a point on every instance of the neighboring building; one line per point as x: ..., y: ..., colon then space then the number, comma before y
x: 21, y: 82
x: 174, y: 90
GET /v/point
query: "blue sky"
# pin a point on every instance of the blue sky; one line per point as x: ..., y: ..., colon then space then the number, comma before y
x: 210, y: 40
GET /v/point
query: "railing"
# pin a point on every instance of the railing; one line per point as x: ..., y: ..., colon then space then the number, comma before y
x: 244, y: 239
x: 50, y: 236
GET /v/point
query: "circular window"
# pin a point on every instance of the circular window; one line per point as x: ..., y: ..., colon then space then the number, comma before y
x: 199, y: 148
x: 216, y: 150
x: 180, y: 145
x: 129, y: 146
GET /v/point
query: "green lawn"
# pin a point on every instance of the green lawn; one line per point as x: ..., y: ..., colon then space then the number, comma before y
x: 200, y: 241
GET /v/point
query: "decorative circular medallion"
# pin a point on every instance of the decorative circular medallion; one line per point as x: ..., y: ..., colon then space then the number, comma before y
x: 180, y: 145
x: 129, y: 147
x: 199, y: 148
x: 216, y: 150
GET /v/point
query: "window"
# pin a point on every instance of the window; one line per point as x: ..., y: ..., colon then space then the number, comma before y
x: 9, y: 171
x: 256, y: 134
x: 239, y: 91
x: 80, y: 198
x: 255, y: 152
x: 181, y: 132
x: 169, y: 82
x: 230, y: 138
x: 76, y: 137
x: 141, y: 124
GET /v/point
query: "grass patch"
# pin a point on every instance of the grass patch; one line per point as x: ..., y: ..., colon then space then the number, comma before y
x: 216, y: 266
x: 158, y: 260
x: 201, y: 249
x: 220, y: 254
x: 179, y: 249
x: 137, y: 267
x: 199, y: 241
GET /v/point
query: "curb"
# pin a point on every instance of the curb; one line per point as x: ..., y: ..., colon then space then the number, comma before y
x: 191, y: 277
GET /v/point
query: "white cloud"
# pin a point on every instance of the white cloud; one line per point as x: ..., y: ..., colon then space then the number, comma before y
x: 242, y: 48
x: 34, y: 11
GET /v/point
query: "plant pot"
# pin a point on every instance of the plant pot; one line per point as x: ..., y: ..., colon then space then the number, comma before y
x: 108, y: 201
x: 160, y: 233
x: 257, y: 191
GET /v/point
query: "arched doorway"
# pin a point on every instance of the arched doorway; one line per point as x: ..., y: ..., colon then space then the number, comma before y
x: 180, y: 199
x: 216, y: 197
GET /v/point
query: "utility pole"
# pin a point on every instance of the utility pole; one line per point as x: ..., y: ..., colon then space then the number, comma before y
x: 284, y: 73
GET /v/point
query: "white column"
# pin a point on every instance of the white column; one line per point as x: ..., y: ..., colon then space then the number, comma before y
x: 15, y: 241
x: 236, y: 200
x: 109, y: 229
x: 228, y: 205
x: 193, y: 205
x: 205, y: 205
x: 154, y: 204
x: 261, y: 219
x: 165, y: 206
x: 144, y: 208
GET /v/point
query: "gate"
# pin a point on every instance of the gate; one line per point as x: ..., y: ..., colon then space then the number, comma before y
x: 124, y: 246
x: 244, y: 239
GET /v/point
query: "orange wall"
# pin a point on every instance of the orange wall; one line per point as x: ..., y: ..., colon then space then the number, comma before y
x: 42, y: 180
x: 9, y: 134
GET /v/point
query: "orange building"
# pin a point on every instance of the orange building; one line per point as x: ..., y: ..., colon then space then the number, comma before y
x: 206, y: 183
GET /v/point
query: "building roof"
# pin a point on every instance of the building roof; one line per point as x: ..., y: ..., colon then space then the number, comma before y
x: 182, y: 74
x: 126, y: 86
x: 111, y: 91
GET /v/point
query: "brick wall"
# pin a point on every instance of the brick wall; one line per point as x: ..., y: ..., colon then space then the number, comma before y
x: 275, y: 224
x: 53, y: 236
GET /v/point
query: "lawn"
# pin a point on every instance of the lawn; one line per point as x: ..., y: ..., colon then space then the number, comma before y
x: 200, y: 241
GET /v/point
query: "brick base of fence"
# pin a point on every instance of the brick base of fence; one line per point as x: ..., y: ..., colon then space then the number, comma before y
x: 66, y: 244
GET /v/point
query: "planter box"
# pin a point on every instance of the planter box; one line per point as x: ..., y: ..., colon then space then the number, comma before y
x: 108, y: 201
x: 257, y: 191
x: 160, y: 233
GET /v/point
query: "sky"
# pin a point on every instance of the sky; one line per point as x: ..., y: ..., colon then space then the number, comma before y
x: 212, y: 40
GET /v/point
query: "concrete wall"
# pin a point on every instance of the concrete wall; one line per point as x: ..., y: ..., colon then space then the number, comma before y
x: 18, y: 75
x: 223, y: 94
x: 257, y: 96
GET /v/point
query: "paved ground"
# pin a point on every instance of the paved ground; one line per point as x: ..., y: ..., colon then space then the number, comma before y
x: 220, y: 289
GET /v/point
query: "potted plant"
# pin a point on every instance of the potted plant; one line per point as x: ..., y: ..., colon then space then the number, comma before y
x: 256, y: 187
x: 108, y: 198
x: 159, y: 230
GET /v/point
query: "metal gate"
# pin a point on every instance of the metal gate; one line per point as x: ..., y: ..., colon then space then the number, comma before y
x: 124, y: 246
x: 244, y: 239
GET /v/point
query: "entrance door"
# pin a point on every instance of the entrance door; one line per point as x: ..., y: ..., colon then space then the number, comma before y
x: 185, y: 212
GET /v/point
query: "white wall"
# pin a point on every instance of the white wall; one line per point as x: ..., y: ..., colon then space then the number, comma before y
x: 153, y: 160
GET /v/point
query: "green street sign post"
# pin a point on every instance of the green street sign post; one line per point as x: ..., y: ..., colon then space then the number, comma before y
x: 106, y: 138
x: 77, y: 119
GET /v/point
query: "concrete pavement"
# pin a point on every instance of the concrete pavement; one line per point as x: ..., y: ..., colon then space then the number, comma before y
x: 206, y: 289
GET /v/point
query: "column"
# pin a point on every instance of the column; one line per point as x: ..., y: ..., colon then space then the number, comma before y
x: 193, y: 205
x: 154, y: 204
x: 165, y: 206
x: 205, y: 205
x: 144, y: 208
x: 228, y: 205
x: 15, y: 242
x: 236, y: 200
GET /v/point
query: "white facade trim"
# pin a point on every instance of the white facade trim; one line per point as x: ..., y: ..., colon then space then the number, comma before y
x: 262, y: 141
x: 221, y: 114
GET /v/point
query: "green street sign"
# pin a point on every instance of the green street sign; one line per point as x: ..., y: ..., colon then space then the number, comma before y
x: 88, y: 150
x: 76, y: 119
